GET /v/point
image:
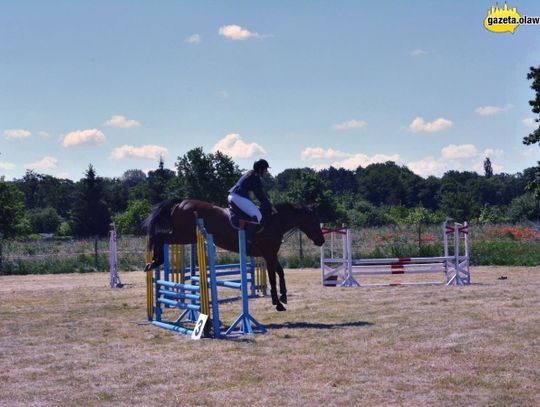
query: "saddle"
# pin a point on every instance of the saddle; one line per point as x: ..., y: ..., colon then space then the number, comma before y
x: 237, y: 215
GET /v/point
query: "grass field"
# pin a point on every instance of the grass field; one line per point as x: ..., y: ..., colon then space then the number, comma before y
x: 69, y: 340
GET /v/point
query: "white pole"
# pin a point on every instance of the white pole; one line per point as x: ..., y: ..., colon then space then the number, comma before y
x: 456, y: 253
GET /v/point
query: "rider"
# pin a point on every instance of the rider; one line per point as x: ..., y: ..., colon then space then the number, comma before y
x: 239, y: 194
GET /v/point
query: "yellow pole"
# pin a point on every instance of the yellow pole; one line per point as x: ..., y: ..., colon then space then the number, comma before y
x: 203, y: 274
x: 149, y: 284
x: 182, y: 265
x: 260, y: 275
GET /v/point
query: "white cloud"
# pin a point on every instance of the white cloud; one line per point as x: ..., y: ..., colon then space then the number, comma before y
x: 235, y: 147
x: 44, y: 135
x: 84, y: 137
x: 455, y: 152
x: 5, y: 166
x: 530, y: 123
x: 237, y: 33
x: 428, y: 166
x: 456, y: 157
x: 63, y: 175
x: 121, y: 122
x: 420, y: 125
x: 16, y: 133
x: 194, y: 39
x: 489, y: 110
x: 362, y: 160
x: 147, y: 152
x: 492, y: 153
x: 418, y: 53
x: 350, y: 124
x: 315, y: 153
x: 46, y: 163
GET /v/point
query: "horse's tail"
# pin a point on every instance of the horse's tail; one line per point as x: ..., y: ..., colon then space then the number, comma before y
x: 158, y: 220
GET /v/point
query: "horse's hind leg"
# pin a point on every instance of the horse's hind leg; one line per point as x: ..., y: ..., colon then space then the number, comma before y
x: 271, y: 269
x: 282, y: 286
x: 157, y: 257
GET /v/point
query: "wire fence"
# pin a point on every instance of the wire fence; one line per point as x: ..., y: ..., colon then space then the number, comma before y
x: 68, y: 255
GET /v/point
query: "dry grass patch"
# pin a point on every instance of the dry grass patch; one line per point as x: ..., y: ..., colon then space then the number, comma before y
x: 70, y: 340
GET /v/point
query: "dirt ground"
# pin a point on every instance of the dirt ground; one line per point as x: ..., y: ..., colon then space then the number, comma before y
x: 70, y: 340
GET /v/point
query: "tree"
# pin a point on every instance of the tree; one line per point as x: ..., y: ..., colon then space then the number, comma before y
x: 389, y: 184
x: 44, y: 220
x: 525, y: 207
x: 158, y: 183
x: 309, y: 189
x: 488, y: 169
x: 130, y: 221
x: 11, y: 209
x: 131, y: 178
x: 534, y: 75
x: 339, y: 180
x: 206, y: 176
x: 460, y: 206
x: 42, y: 191
x: 534, y: 137
x: 90, y: 215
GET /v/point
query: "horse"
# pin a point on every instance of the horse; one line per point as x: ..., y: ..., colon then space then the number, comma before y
x: 174, y: 222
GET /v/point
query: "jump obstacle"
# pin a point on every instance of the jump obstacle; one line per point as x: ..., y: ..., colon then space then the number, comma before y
x: 113, y: 259
x: 340, y: 268
x: 191, y: 283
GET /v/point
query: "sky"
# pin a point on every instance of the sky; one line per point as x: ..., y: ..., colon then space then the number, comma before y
x: 117, y: 84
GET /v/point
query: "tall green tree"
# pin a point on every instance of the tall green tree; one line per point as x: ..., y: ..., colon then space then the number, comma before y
x: 206, y: 176
x: 90, y: 215
x: 158, y: 183
x: 488, y: 169
x: 11, y: 209
x: 534, y: 137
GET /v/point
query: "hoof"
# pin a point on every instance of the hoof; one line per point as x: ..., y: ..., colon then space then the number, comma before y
x: 150, y: 266
x: 283, y: 298
x: 280, y: 307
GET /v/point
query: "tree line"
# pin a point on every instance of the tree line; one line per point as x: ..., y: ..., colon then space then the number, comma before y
x: 379, y: 194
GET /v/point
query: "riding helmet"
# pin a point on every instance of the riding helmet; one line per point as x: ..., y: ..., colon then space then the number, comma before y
x: 260, y: 165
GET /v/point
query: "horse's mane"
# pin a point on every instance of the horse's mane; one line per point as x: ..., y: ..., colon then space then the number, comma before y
x: 290, y: 206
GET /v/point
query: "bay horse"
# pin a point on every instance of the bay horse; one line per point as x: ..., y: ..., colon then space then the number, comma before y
x: 174, y: 222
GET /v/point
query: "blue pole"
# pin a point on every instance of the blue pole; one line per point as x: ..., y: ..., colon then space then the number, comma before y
x: 157, y: 305
x: 245, y: 320
x: 211, y: 253
x: 252, y: 279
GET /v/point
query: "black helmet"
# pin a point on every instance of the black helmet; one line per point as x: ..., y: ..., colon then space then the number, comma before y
x: 260, y: 165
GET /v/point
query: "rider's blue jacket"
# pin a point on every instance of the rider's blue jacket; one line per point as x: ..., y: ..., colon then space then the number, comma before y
x: 251, y: 181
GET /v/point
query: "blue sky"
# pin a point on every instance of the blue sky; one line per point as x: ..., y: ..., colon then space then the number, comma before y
x: 299, y: 83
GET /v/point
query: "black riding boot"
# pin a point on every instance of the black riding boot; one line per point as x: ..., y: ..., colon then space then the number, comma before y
x: 251, y: 228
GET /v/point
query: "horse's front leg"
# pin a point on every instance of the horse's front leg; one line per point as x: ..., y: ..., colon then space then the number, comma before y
x: 271, y: 267
x: 282, y: 286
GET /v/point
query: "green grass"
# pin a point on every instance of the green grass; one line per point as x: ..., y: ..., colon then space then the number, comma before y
x: 511, y: 253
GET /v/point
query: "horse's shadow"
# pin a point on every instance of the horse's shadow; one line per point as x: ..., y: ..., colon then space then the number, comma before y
x: 317, y: 325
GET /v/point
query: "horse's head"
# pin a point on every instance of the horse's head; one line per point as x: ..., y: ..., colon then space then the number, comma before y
x: 307, y: 220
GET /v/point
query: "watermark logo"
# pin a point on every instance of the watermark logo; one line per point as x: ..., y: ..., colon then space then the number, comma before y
x: 506, y: 19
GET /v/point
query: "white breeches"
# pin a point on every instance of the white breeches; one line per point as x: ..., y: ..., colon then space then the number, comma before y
x: 245, y: 205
